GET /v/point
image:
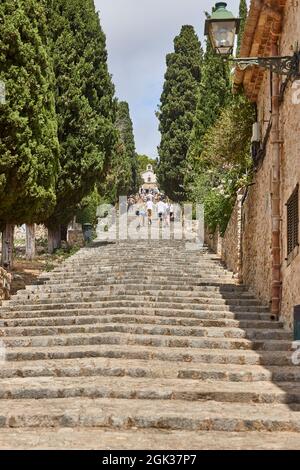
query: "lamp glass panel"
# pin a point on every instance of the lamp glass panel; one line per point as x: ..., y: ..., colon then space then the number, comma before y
x: 222, y: 34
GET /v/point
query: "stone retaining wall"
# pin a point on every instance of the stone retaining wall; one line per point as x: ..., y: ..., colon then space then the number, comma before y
x: 5, y: 282
x: 229, y: 246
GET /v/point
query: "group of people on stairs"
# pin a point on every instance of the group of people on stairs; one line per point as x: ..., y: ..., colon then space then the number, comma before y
x: 148, y: 206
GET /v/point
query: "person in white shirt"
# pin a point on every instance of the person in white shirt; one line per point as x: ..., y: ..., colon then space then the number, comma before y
x: 161, y: 210
x: 167, y: 212
x: 149, y: 206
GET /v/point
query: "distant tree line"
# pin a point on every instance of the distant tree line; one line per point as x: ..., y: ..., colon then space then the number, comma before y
x: 65, y: 140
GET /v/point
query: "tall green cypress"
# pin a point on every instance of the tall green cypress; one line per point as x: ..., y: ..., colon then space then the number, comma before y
x: 177, y: 110
x: 84, y: 105
x: 214, y: 92
x: 243, y: 11
x: 28, y: 127
x: 123, y: 169
x: 125, y: 128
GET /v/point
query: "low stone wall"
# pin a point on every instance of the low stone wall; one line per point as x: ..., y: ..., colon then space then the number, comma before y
x: 229, y: 246
x: 5, y: 282
x: 214, y: 241
x: 231, y: 243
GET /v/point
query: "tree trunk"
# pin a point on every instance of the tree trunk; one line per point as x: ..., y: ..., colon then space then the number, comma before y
x: 64, y: 232
x: 7, y: 247
x: 54, y: 239
x: 30, y: 241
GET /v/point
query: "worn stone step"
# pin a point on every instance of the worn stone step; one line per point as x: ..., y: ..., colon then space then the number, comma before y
x: 104, y: 296
x: 141, y: 439
x: 143, y: 307
x: 30, y: 293
x: 203, y: 293
x: 155, y: 289
x: 120, y: 367
x: 146, y: 329
x: 138, y: 319
x: 162, y: 414
x: 63, y: 310
x: 146, y: 352
x: 133, y: 289
x: 64, y: 285
x: 55, y: 298
x: 136, y: 269
x: 149, y: 389
x: 155, y: 340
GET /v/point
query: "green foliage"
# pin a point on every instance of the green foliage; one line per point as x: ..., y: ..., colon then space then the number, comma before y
x: 225, y: 163
x: 87, y: 212
x: 243, y: 11
x: 125, y: 128
x: 122, y: 175
x: 177, y: 111
x: 214, y: 93
x: 28, y: 127
x: 84, y: 102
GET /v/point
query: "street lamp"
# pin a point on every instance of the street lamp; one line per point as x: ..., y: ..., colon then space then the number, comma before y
x: 221, y: 28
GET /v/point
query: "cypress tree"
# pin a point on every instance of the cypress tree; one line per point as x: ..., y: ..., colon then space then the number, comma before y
x: 84, y: 105
x: 28, y: 127
x: 177, y: 110
x: 243, y: 11
x: 119, y: 176
x: 125, y: 128
x: 214, y: 92
x: 123, y: 169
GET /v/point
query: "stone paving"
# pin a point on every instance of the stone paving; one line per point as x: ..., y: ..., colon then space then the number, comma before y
x: 145, y: 344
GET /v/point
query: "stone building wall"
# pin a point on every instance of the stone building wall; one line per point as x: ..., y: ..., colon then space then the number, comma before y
x: 257, y: 229
x: 257, y: 213
x: 257, y: 216
x: 290, y: 167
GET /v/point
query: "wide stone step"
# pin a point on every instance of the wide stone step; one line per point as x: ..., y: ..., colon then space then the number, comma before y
x: 89, y: 285
x: 138, y: 319
x: 141, y: 439
x: 173, y: 291
x: 62, y: 310
x: 245, y: 357
x: 146, y: 329
x: 131, y: 298
x: 149, y: 389
x: 119, y: 367
x: 155, y: 340
x: 63, y: 284
x: 143, y: 268
x: 128, y: 414
x: 149, y: 290
x: 85, y: 297
x: 167, y: 285
x: 135, y: 299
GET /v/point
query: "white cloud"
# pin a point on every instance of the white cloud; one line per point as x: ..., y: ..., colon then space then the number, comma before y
x: 139, y: 35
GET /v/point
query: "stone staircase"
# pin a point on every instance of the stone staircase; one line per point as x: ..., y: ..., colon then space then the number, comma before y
x: 145, y: 345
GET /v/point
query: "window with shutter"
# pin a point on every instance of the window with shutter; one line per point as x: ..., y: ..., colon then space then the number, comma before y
x: 293, y: 225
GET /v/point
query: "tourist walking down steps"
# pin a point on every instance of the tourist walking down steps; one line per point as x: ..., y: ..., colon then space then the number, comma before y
x: 141, y: 213
x: 149, y: 206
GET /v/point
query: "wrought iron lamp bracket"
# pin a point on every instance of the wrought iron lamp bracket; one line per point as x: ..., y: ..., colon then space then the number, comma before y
x: 285, y: 65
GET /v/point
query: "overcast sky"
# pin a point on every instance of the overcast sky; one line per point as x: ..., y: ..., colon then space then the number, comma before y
x: 139, y: 35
